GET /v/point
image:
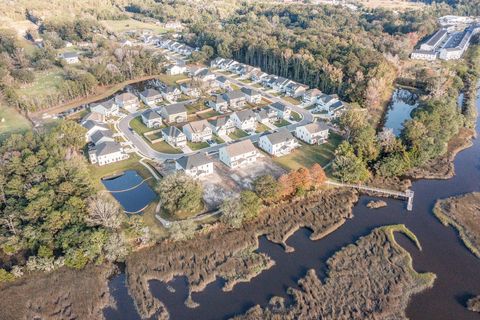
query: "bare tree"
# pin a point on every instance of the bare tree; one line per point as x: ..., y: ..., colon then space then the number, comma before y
x: 103, y: 211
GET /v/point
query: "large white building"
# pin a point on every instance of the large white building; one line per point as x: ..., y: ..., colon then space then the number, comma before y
x: 127, y: 101
x: 198, y: 131
x: 106, y: 152
x: 279, y: 143
x: 239, y: 154
x: 106, y: 108
x: 312, y: 133
x: 196, y: 165
x: 245, y: 120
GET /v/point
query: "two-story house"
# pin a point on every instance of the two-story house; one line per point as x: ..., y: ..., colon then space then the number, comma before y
x: 283, y: 111
x: 127, y: 101
x: 174, y: 137
x: 170, y: 93
x: 312, y: 133
x: 222, y: 82
x: 222, y: 126
x: 174, y: 113
x: 151, y: 119
x: 236, y: 99
x: 245, y: 120
x: 198, y: 131
x: 295, y: 90
x: 279, y: 143
x: 190, y: 90
x: 106, y: 152
x: 311, y: 96
x: 239, y: 154
x: 266, y: 115
x: 218, y: 103
x: 92, y: 127
x: 151, y: 97
x: 196, y: 165
x: 252, y: 96
x: 105, y: 108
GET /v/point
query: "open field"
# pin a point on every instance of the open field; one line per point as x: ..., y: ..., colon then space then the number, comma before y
x: 45, y: 83
x: 307, y: 155
x: 131, y: 24
x: 11, y: 121
x: 391, y: 4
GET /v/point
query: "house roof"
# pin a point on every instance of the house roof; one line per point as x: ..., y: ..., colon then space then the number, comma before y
x: 219, y: 122
x: 249, y: 91
x: 337, y: 105
x: 279, y: 106
x: 93, y: 116
x: 106, y: 148
x: 89, y: 124
x: 149, y: 114
x: 239, y: 148
x: 233, y: 95
x: 172, y: 131
x: 316, y: 127
x: 127, y: 96
x: 326, y: 98
x: 175, y: 108
x: 108, y: 104
x: 150, y: 93
x: 194, y: 161
x: 222, y: 79
x: 280, y: 136
x: 98, y: 135
x: 168, y: 89
x: 313, y: 92
x: 197, y: 126
x: 244, y: 115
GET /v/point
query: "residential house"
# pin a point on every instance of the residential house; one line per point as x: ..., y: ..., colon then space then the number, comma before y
x: 70, y: 57
x: 280, y: 84
x: 174, y: 137
x: 205, y: 75
x: 151, y: 119
x: 279, y: 143
x: 127, y: 101
x: 218, y: 103
x: 101, y: 136
x: 174, y: 113
x: 92, y: 127
x: 283, y: 111
x: 236, y: 99
x: 170, y: 93
x: 312, y: 133
x: 106, y: 108
x: 239, y: 154
x: 258, y: 75
x: 223, y: 82
x: 106, y: 152
x: 217, y: 62
x: 336, y: 109
x: 176, y: 68
x: 311, y: 96
x: 93, y: 116
x: 196, y: 165
x: 151, y: 97
x: 198, y: 131
x: 324, y: 102
x: 222, y: 125
x: 267, y: 115
x: 190, y: 90
x: 251, y: 95
x: 245, y: 120
x: 295, y: 90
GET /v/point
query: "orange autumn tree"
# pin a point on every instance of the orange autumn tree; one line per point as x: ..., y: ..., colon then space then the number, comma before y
x: 302, y: 179
x: 317, y: 174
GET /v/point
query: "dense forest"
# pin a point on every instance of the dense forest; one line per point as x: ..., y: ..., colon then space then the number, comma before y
x: 459, y: 7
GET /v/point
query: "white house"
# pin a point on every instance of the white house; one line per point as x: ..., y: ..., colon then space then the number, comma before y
x: 176, y: 69
x: 236, y: 99
x: 279, y: 143
x: 170, y: 93
x: 218, y: 103
x: 205, y: 75
x: 280, y: 84
x: 196, y: 165
x: 106, y: 152
x: 174, y: 137
x: 106, y: 108
x: 245, y: 120
x: 222, y: 82
x: 251, y: 95
x: 198, y: 131
x: 222, y: 126
x: 266, y: 115
x: 311, y: 96
x: 312, y: 133
x: 127, y: 101
x: 151, y: 97
x: 101, y: 136
x: 92, y: 127
x: 190, y: 90
x: 295, y: 90
x: 239, y: 154
x: 151, y: 119
x: 435, y: 41
x: 174, y: 113
x: 70, y: 57
x: 324, y: 102
x: 216, y: 63
x: 283, y: 111
x: 428, y: 55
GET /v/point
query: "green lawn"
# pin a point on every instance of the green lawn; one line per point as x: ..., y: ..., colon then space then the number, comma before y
x: 11, y: 121
x: 45, y: 83
x: 217, y: 139
x: 295, y: 116
x: 246, y: 81
x: 197, y: 145
x: 130, y: 24
x: 292, y: 100
x: 237, y: 134
x: 164, y: 147
x: 257, y: 85
x: 261, y: 128
x: 281, y: 123
x: 138, y: 126
x: 307, y: 155
x: 234, y: 86
x: 208, y: 114
x: 172, y: 80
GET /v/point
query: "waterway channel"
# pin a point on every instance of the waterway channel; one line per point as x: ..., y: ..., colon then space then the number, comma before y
x: 457, y: 269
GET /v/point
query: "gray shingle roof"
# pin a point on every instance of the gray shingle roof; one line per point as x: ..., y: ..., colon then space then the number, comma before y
x: 98, y: 135
x: 315, y: 127
x: 245, y: 114
x: 172, y: 132
x: 249, y: 92
x: 280, y: 136
x: 193, y: 161
x: 105, y: 148
x: 234, y: 95
x: 67, y: 55
x: 150, y: 114
x: 89, y: 124
x: 150, y: 93
x: 175, y: 108
x: 239, y: 148
x: 279, y: 106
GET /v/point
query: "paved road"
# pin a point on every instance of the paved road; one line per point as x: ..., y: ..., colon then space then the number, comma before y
x: 144, y: 148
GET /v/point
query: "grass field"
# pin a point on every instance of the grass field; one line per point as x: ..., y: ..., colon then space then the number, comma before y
x: 307, y: 155
x: 162, y: 146
x: 295, y: 116
x: 138, y: 126
x: 172, y: 80
x: 391, y: 4
x: 281, y: 123
x: 261, y: 128
x: 131, y: 24
x: 11, y: 122
x: 292, y: 100
x: 197, y: 145
x: 237, y: 134
x: 45, y: 83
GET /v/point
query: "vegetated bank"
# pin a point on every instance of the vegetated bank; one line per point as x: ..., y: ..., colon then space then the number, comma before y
x: 369, y: 279
x: 218, y: 253
x: 463, y: 213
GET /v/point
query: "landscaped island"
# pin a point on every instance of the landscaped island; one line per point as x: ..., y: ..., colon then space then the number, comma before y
x: 369, y: 279
x: 463, y: 213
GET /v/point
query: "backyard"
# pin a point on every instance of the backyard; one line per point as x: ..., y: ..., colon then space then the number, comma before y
x: 197, y: 145
x: 307, y: 155
x: 281, y: 123
x: 238, y: 134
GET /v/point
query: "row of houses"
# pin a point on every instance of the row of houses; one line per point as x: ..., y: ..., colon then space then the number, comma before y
x: 174, y: 46
x: 234, y: 100
x: 102, y: 147
x: 244, y: 153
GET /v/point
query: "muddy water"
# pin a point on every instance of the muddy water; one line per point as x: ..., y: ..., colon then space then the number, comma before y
x: 457, y: 270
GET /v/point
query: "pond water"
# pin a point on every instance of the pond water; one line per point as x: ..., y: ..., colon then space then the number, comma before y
x: 130, y: 190
x: 443, y: 253
x: 400, y: 109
